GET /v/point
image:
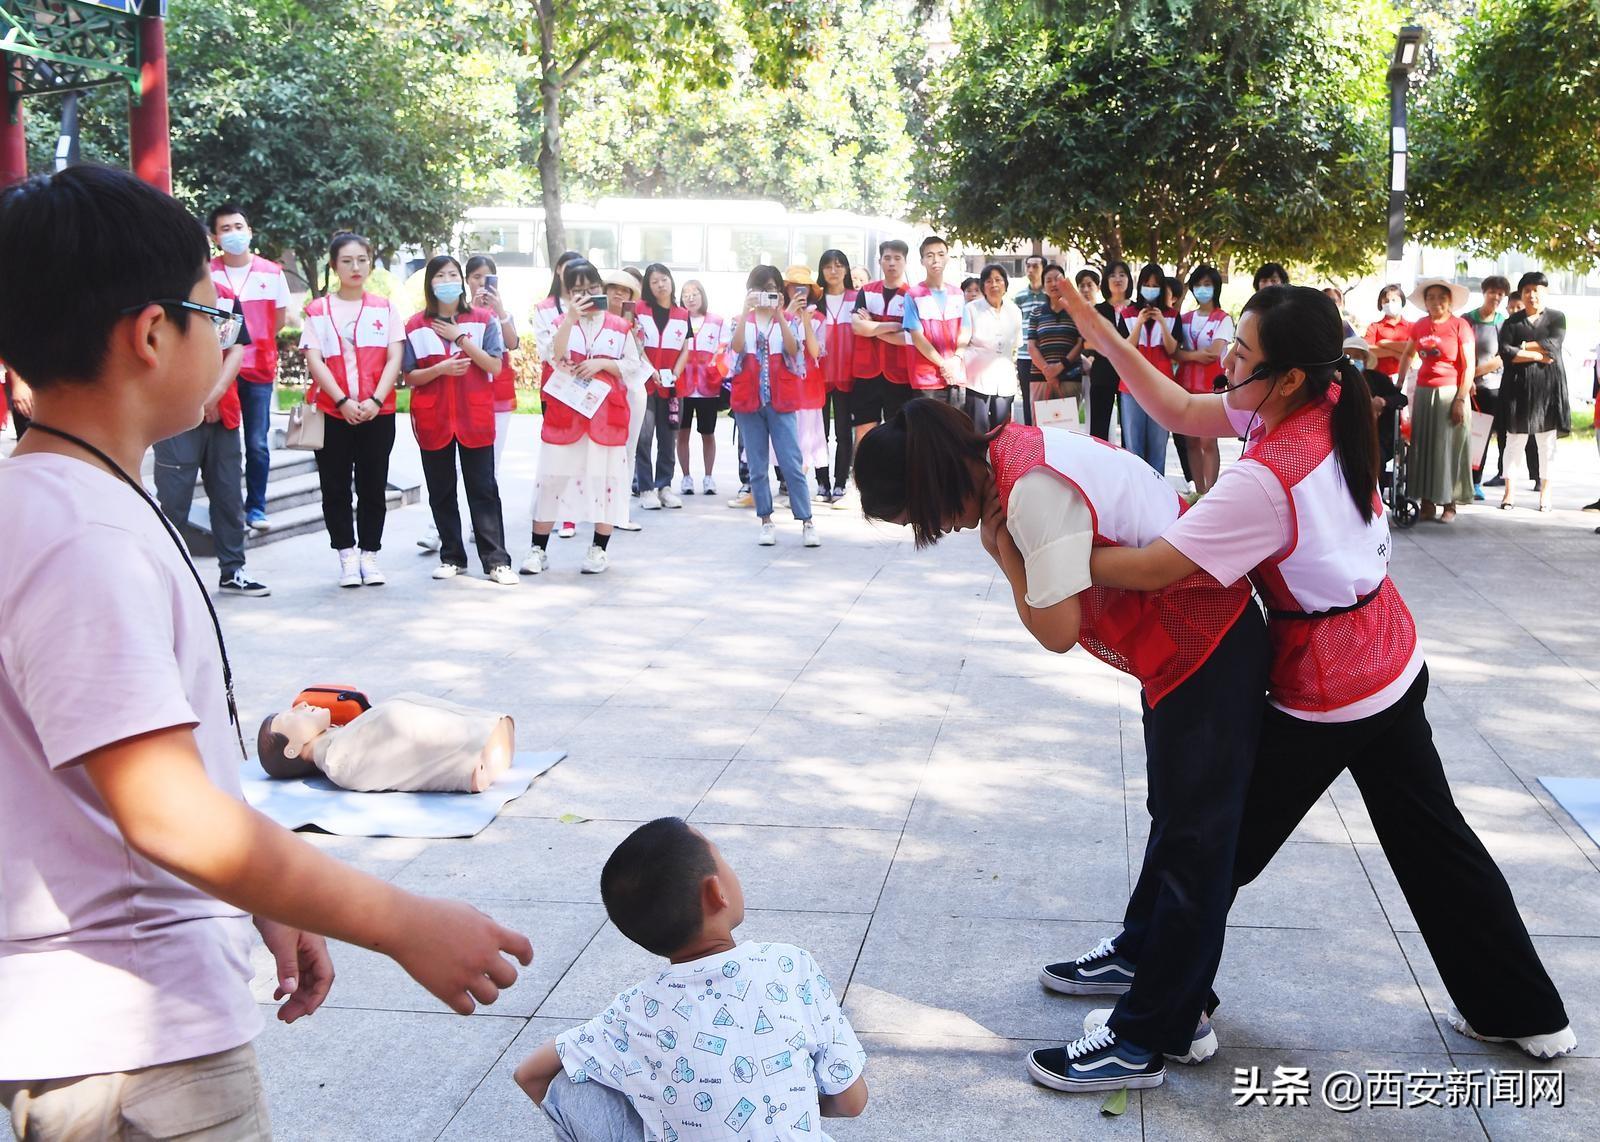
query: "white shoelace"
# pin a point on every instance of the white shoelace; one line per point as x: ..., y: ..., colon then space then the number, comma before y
x: 1101, y: 1036
x: 1106, y: 947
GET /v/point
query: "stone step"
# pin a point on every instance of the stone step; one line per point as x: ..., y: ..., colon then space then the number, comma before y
x: 287, y: 523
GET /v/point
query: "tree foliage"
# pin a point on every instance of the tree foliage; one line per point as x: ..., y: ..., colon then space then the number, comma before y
x: 1176, y: 130
x: 1506, y: 139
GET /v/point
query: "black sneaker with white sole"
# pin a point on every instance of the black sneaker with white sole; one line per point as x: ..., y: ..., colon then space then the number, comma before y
x: 1099, y: 971
x: 241, y: 584
x: 1098, y: 1061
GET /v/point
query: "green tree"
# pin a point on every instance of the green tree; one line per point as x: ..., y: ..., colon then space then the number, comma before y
x: 1506, y: 146
x: 1174, y: 130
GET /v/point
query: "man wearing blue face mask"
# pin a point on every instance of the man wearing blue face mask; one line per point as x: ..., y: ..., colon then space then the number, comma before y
x: 263, y: 295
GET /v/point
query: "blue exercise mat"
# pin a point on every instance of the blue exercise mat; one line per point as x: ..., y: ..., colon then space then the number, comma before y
x: 1579, y: 796
x: 297, y: 802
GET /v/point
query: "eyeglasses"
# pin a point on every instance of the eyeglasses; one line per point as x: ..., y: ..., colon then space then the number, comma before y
x: 226, y: 324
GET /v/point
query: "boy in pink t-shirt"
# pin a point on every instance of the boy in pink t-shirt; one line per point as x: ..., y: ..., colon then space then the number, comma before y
x: 135, y: 876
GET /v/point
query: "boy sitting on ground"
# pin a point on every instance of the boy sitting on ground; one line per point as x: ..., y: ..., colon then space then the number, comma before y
x: 729, y: 1041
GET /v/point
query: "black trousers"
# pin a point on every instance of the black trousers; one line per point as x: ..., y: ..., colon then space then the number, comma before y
x: 1461, y: 902
x: 986, y: 411
x: 1025, y: 376
x: 1200, y: 746
x: 837, y: 420
x: 1102, y: 399
x: 483, y: 503
x: 355, y: 455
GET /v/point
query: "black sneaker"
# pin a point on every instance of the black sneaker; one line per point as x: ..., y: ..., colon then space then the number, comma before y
x: 1099, y: 971
x: 241, y: 584
x: 1096, y: 1062
x: 1495, y: 482
x: 1594, y: 507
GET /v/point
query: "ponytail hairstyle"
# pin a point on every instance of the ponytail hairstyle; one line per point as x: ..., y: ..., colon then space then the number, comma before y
x: 565, y: 257
x: 916, y: 467
x: 1300, y: 328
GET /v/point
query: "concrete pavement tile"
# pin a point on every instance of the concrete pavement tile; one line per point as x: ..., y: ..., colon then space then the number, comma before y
x: 705, y: 684
x: 860, y: 691
x: 619, y: 788
x: 807, y: 870
x: 1068, y: 738
x: 812, y: 791
x: 364, y: 979
x: 498, y: 1111
x: 830, y: 735
x: 615, y: 731
x: 399, y: 1075
x: 1310, y: 886
x: 1571, y: 1121
x: 612, y: 962
x: 1029, y: 697
x: 519, y: 858
x: 383, y: 857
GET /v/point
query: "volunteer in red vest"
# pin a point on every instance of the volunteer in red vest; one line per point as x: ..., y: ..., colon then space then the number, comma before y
x: 664, y: 325
x: 263, y: 294
x: 353, y: 344
x: 1300, y: 515
x: 583, y: 454
x: 837, y: 307
x: 1207, y: 331
x: 211, y: 450
x: 483, y: 286
x: 700, y: 385
x: 1043, y: 500
x: 932, y: 323
x: 767, y: 363
x: 542, y: 323
x: 801, y: 285
x: 453, y: 352
x: 1152, y: 327
x: 881, y: 369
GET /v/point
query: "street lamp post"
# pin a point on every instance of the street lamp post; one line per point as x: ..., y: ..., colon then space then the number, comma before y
x: 1407, y: 46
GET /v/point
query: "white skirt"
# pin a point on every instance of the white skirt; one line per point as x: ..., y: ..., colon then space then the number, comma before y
x: 584, y: 482
x: 813, y: 438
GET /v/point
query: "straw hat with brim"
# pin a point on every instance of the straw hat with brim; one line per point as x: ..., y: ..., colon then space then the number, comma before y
x: 1357, y: 349
x: 802, y: 275
x: 1459, y: 294
x: 622, y: 279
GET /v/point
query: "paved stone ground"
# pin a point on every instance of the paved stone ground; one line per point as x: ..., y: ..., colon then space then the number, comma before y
x: 933, y: 804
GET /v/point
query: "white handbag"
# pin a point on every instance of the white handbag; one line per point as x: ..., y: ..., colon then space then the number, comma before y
x: 1062, y: 412
x: 307, y: 424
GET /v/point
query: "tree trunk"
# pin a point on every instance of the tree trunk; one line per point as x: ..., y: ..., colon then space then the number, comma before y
x: 555, y: 231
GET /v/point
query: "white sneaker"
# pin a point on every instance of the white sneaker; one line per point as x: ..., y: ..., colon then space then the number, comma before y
x: 769, y: 535
x: 503, y: 575
x: 446, y: 571
x: 595, y: 560
x: 566, y: 531
x: 628, y: 525
x: 649, y: 500
x: 538, y: 560
x: 430, y: 540
x: 349, y: 568
x: 708, y: 487
x: 1539, y: 1046
x: 669, y: 498
x: 809, y: 536
x: 1201, y: 1048
x: 688, y: 485
x: 370, y: 575
x: 743, y: 500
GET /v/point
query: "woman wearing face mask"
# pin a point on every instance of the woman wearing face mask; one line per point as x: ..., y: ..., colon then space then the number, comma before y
x: 1439, y: 471
x: 836, y: 306
x: 1207, y: 330
x: 1153, y: 331
x: 1044, y: 500
x: 700, y: 385
x: 1533, y: 395
x: 665, y: 327
x: 991, y: 330
x: 452, y: 354
x: 1104, y: 384
x: 1390, y: 335
x: 480, y: 267
x: 1300, y: 515
x: 352, y: 346
x: 583, y: 457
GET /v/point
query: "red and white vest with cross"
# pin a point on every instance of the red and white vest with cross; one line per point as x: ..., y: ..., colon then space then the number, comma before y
x: 839, y: 341
x: 258, y: 295
x: 940, y: 316
x: 662, y: 344
x: 1339, y: 629
x: 876, y: 356
x: 707, y: 364
x: 564, y: 424
x: 451, y: 408
x: 371, y: 336
x: 1159, y: 637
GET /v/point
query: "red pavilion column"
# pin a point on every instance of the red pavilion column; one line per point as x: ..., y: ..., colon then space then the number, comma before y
x: 13, y: 139
x: 149, y: 130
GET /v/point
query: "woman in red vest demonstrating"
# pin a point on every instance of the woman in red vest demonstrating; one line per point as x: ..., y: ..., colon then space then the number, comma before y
x: 1300, y: 515
x: 1046, y: 498
x: 352, y: 345
x: 700, y: 385
x: 583, y: 455
x: 664, y: 325
x: 483, y: 286
x: 452, y: 354
x: 837, y: 306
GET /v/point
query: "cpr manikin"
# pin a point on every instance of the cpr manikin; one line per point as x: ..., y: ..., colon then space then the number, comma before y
x: 409, y: 743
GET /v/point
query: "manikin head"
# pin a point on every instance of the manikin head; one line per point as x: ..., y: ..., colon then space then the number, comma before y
x: 669, y: 890
x: 283, y: 744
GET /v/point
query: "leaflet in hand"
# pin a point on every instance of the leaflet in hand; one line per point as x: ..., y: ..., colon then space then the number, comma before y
x: 581, y: 395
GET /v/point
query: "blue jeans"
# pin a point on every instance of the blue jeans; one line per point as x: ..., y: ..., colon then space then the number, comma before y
x: 1142, y: 436
x: 765, y: 432
x: 255, y: 411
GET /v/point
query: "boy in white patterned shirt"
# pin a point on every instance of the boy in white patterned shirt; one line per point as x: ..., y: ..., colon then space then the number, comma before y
x: 729, y: 1041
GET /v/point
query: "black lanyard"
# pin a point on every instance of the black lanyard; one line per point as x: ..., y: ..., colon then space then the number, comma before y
x: 216, y: 624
